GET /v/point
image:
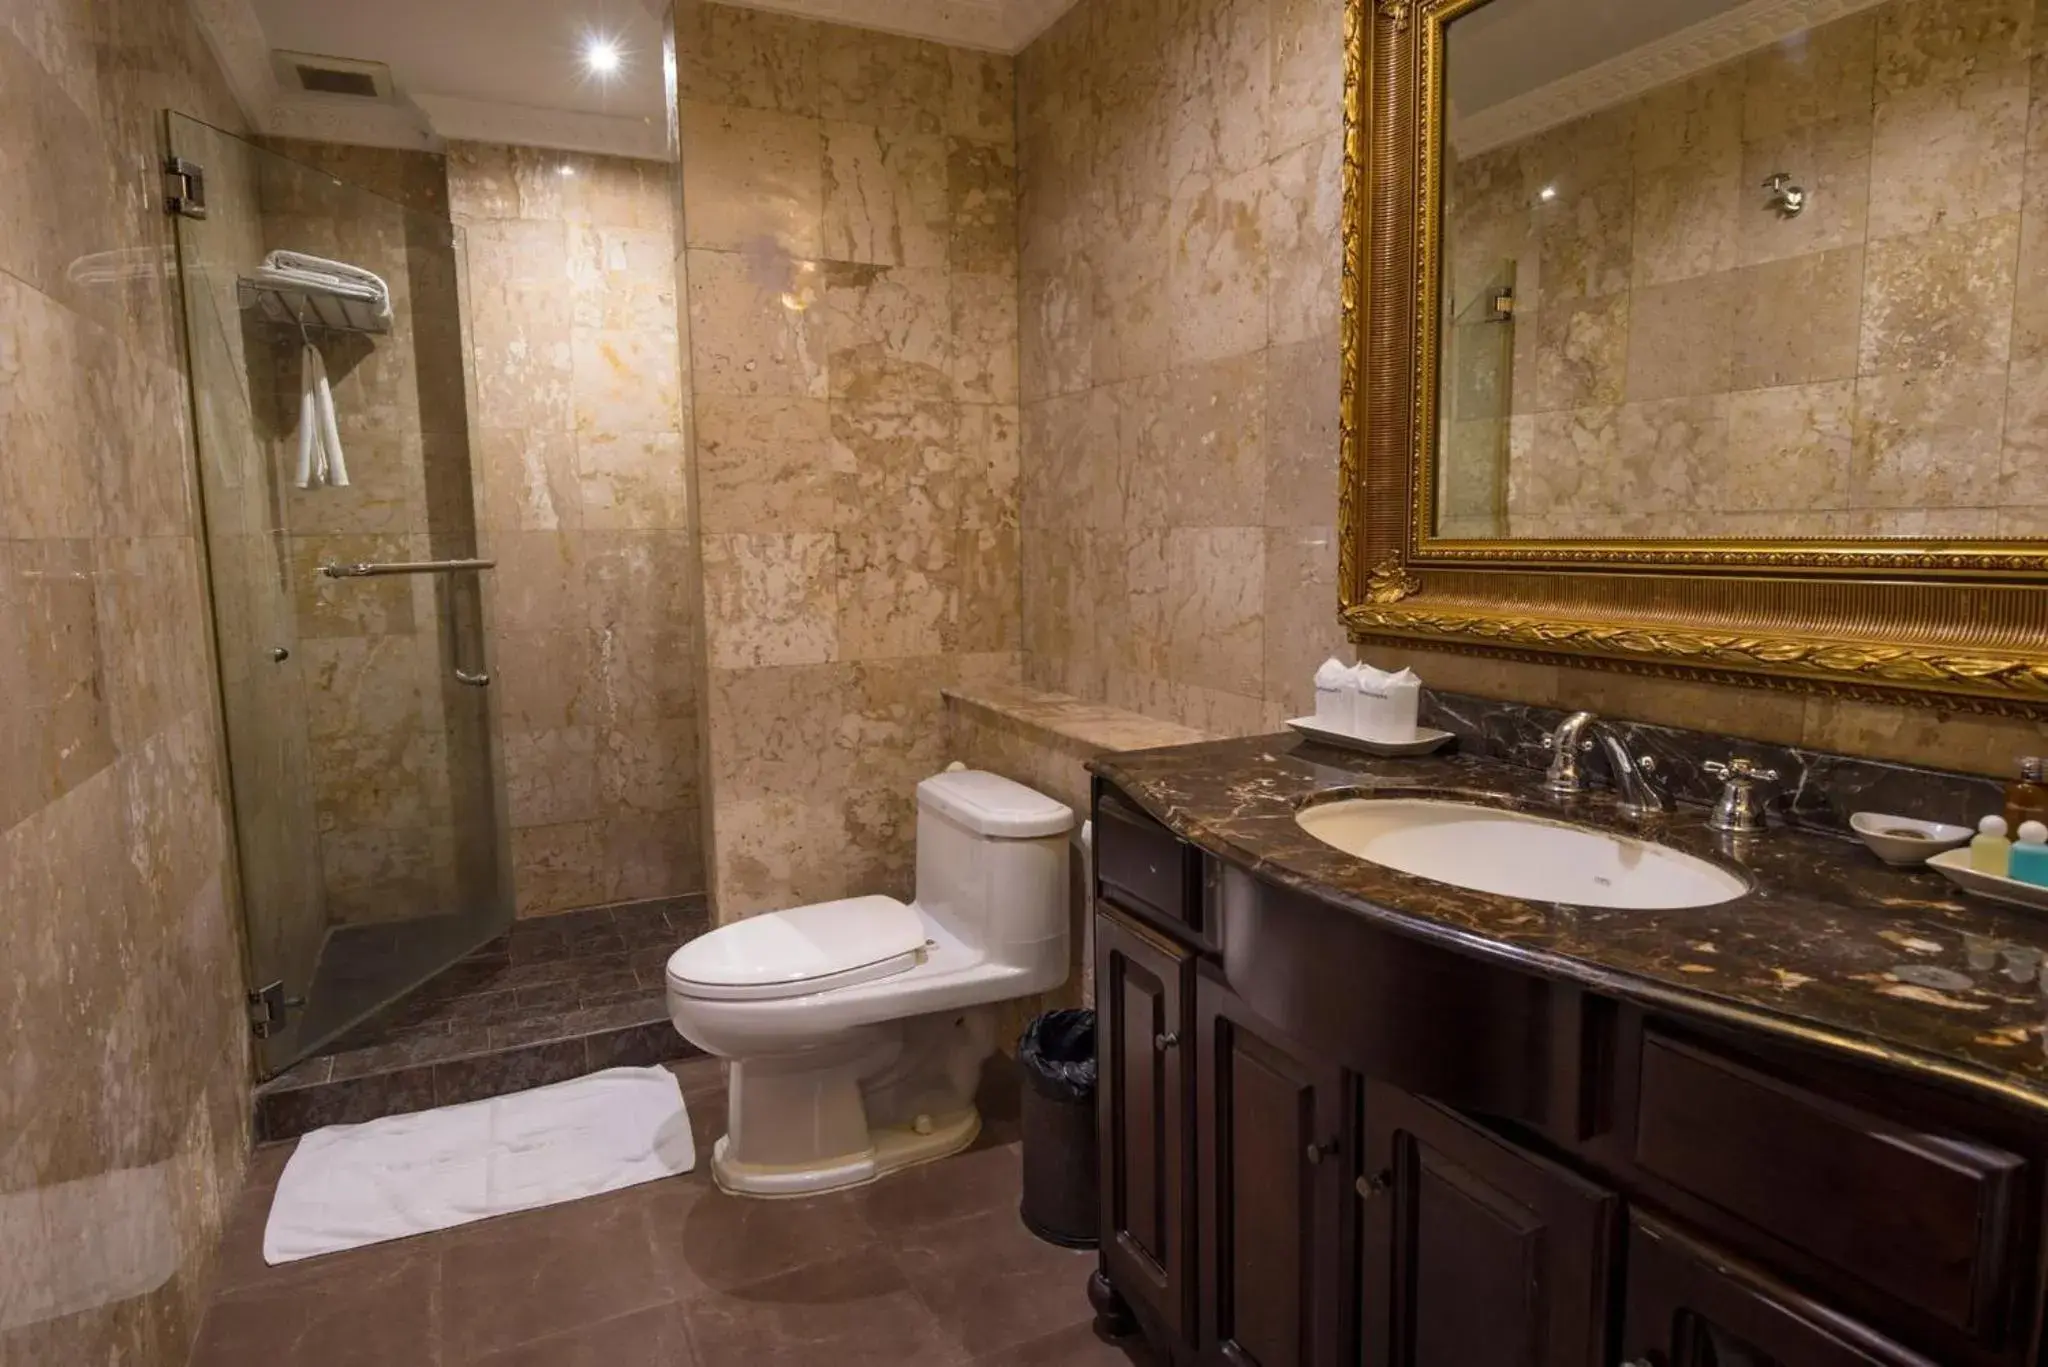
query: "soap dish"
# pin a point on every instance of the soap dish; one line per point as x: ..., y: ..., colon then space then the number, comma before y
x: 1906, y: 839
x: 1954, y: 865
x: 1421, y: 743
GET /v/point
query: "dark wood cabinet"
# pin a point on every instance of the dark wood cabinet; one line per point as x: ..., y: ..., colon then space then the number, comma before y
x: 1142, y: 988
x: 1474, y: 1253
x: 1272, y: 1158
x: 1691, y: 1307
x: 1326, y: 1141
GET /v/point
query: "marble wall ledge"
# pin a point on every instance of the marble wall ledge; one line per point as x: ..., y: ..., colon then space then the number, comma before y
x: 1066, y: 723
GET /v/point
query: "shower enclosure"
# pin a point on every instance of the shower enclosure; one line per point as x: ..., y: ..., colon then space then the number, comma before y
x: 348, y: 618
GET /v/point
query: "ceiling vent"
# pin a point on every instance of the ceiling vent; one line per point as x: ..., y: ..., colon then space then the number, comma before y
x: 309, y: 73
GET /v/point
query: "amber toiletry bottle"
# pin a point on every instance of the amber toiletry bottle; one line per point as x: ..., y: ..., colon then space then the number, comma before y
x: 2026, y: 798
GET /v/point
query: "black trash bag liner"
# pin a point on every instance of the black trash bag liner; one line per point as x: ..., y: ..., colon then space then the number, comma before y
x: 1057, y: 1052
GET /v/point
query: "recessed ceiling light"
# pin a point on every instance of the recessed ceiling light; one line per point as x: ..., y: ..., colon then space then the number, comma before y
x: 601, y: 55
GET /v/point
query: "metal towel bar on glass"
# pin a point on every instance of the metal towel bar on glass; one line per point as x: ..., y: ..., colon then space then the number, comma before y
x: 369, y: 569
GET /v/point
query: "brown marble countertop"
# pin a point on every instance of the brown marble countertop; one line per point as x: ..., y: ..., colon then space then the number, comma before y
x: 1830, y: 947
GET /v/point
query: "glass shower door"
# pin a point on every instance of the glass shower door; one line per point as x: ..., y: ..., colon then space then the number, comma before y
x: 346, y: 587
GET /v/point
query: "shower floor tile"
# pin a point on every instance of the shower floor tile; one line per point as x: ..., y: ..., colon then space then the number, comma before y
x: 552, y: 998
x: 923, y: 1269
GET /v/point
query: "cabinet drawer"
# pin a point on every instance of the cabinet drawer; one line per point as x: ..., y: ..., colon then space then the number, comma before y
x: 1144, y: 867
x: 1929, y: 1219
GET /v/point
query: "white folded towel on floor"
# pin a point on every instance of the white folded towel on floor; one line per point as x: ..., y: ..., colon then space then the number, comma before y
x: 320, y: 458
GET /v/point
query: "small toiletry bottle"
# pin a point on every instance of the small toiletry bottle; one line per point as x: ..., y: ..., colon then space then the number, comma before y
x: 2026, y: 798
x: 1991, y: 849
x: 2030, y: 855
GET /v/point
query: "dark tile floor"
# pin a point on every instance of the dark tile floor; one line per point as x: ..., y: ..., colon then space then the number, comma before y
x: 925, y: 1269
x: 553, y: 998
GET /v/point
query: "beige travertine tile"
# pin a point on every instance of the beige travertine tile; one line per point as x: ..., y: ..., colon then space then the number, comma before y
x: 1560, y: 462
x: 1054, y: 314
x: 1942, y: 298
x: 903, y: 85
x: 632, y: 480
x: 756, y: 325
x: 765, y: 465
x: 778, y: 852
x: 1301, y: 624
x: 988, y: 614
x: 1304, y: 265
x: 522, y: 312
x: 1927, y: 439
x: 538, y: 586
x: 1821, y: 75
x: 1130, y: 331
x: 1693, y: 123
x: 981, y: 196
x: 647, y: 854
x: 984, y: 319
x: 771, y: 600
x: 754, y: 179
x: 898, y: 593
x: 2023, y: 476
x: 1681, y: 338
x: 981, y: 99
x: 752, y: 59
x: 1582, y: 349
x: 641, y: 594
x: 543, y: 679
x: 1798, y: 320
x: 1302, y: 398
x: 1788, y: 448
x: 1660, y: 445
x: 779, y: 731
x: 1585, y: 238
x: 1686, y: 220
x: 1216, y: 444
x: 555, y: 867
x: 1215, y: 599
x: 1218, y: 127
x: 888, y: 333
x: 990, y: 467
x: 885, y: 197
x: 2029, y: 324
x: 897, y: 464
x: 1930, y: 41
x: 625, y: 381
x: 1921, y: 735
x: 1217, y: 273
x: 624, y: 278
x: 551, y: 776
x: 1308, y: 76
x: 650, y: 766
x: 1947, y: 154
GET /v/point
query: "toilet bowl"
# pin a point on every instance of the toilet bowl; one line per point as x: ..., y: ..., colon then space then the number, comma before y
x: 855, y: 1029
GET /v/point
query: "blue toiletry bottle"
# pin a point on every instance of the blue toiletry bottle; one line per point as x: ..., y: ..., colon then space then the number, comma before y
x: 2030, y: 855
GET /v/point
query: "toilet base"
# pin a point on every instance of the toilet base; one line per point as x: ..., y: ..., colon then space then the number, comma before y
x: 895, y: 1148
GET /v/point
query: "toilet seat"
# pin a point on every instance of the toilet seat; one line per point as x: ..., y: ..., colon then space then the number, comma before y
x: 800, y: 951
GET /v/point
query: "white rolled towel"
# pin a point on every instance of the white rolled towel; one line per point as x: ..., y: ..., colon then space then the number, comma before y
x: 320, y: 458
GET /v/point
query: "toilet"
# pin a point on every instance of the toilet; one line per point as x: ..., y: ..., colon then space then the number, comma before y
x: 855, y: 1029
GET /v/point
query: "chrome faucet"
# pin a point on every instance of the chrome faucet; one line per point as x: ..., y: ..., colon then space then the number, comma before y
x: 1637, y: 786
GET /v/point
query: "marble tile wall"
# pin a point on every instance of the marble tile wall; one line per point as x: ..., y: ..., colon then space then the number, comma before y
x: 1180, y: 171
x: 1169, y: 199
x: 584, y: 495
x: 1689, y: 363
x: 849, y: 264
x: 124, y: 1110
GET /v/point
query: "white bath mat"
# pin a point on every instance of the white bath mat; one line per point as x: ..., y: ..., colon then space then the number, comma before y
x: 350, y: 1185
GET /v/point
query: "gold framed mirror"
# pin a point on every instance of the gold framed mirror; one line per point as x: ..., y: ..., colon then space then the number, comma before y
x: 1702, y: 337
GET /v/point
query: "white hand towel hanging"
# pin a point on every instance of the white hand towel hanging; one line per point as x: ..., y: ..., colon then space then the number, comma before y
x: 320, y: 457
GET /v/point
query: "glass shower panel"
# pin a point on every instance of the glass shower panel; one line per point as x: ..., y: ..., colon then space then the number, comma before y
x: 354, y: 673
x: 1477, y: 387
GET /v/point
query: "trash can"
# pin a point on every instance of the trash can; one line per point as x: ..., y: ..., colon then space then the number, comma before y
x: 1057, y: 1054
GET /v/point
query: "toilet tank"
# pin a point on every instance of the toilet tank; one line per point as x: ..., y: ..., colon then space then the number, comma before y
x: 992, y: 863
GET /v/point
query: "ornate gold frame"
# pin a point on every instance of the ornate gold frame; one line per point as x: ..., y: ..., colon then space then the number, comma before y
x: 1961, y: 624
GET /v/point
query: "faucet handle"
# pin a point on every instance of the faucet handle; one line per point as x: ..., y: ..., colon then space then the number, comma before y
x: 1739, y: 808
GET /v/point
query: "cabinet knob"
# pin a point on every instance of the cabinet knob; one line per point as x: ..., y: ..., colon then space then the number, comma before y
x: 1316, y: 1151
x: 1372, y: 1184
x: 1166, y: 1041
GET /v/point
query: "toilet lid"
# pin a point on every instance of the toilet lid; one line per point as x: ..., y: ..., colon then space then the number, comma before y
x: 801, y: 950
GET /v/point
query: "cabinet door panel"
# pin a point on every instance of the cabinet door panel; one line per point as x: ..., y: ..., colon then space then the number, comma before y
x: 1474, y: 1253
x: 1689, y: 1306
x: 1270, y: 1190
x: 1142, y: 1118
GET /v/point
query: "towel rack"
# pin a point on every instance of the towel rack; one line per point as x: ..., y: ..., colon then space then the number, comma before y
x: 311, y: 306
x: 371, y: 569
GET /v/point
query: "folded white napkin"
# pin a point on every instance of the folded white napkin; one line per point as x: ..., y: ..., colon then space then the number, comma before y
x: 1335, y: 695
x: 1387, y: 704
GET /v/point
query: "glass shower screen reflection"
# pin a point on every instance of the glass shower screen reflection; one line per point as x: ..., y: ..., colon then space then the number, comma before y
x: 325, y: 339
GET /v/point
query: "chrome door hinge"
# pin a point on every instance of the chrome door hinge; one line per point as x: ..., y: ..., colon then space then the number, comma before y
x: 268, y: 1006
x: 185, y: 187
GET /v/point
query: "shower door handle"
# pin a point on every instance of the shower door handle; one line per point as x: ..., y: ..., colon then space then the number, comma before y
x: 480, y: 679
x: 371, y: 569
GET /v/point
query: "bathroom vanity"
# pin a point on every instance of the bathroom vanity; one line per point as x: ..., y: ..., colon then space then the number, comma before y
x: 1351, y: 1115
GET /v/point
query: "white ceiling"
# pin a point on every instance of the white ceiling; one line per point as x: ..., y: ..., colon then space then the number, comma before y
x: 512, y: 70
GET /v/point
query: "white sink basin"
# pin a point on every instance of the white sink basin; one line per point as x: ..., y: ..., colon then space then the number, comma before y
x: 1514, y: 855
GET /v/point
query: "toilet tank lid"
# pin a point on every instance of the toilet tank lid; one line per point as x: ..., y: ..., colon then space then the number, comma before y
x: 989, y: 804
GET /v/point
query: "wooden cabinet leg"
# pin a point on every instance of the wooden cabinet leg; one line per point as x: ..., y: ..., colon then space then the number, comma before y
x: 1113, y: 1318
